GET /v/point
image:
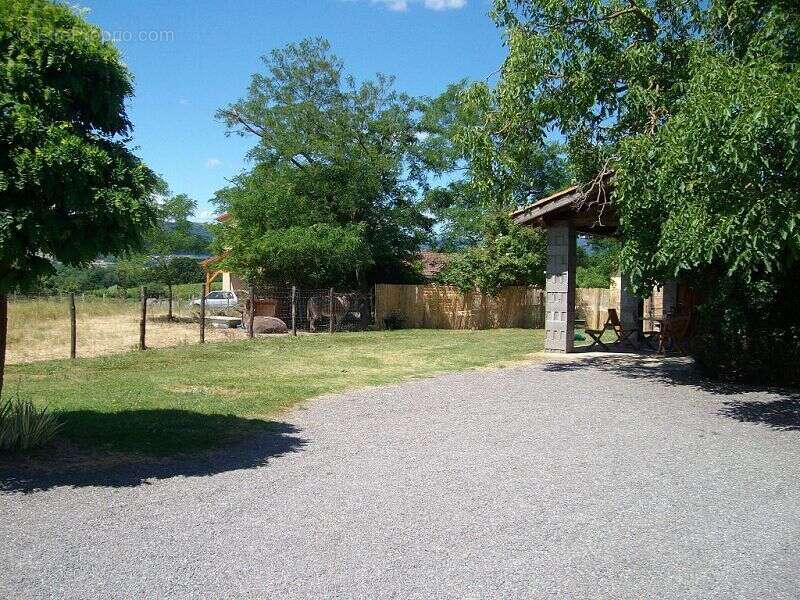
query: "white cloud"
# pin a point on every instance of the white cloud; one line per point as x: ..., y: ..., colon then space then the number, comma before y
x: 445, y: 4
x: 204, y: 216
x: 402, y: 5
x: 213, y: 163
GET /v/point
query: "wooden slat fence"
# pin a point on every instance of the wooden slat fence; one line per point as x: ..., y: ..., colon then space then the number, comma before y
x: 592, y: 304
x: 445, y: 307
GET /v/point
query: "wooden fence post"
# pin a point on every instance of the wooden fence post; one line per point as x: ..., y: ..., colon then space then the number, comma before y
x: 330, y: 312
x: 143, y: 319
x: 203, y: 314
x: 73, y: 328
x: 252, y: 315
x: 294, y: 310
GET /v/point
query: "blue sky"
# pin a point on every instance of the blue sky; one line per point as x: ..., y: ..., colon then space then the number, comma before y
x: 189, y: 57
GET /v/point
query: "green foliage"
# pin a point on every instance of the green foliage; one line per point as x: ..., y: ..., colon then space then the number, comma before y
x: 459, y: 213
x: 597, y: 264
x: 663, y: 92
x: 133, y: 271
x: 337, y: 174
x: 457, y: 206
x: 67, y: 279
x: 695, y: 105
x: 172, y: 234
x: 23, y: 426
x: 509, y: 255
x: 182, y: 269
x: 459, y: 140
x: 720, y: 177
x: 508, y: 166
x: 70, y: 188
x: 314, y: 255
x: 587, y: 277
x: 175, y: 233
x: 751, y: 331
x: 595, y: 70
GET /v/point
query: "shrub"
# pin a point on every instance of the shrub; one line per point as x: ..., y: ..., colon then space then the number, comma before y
x: 393, y: 320
x: 509, y: 255
x: 23, y: 426
x: 750, y: 331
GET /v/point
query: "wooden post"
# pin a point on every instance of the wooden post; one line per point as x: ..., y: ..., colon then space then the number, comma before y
x: 169, y: 305
x: 3, y: 336
x: 252, y: 311
x: 143, y: 319
x: 294, y: 310
x: 73, y: 328
x: 330, y: 312
x: 203, y: 313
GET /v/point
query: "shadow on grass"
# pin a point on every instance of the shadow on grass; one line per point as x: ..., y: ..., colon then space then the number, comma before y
x: 774, y: 407
x: 131, y: 448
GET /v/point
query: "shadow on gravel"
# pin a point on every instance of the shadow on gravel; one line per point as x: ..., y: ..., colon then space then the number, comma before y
x: 76, y: 468
x: 783, y: 414
x: 781, y: 410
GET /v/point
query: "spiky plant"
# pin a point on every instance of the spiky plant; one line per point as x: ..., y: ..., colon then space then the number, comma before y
x: 23, y: 426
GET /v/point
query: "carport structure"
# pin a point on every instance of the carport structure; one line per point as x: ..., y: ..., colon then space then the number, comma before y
x: 564, y: 215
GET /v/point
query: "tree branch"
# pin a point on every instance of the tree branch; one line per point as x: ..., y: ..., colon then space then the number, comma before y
x: 256, y: 130
x: 632, y: 9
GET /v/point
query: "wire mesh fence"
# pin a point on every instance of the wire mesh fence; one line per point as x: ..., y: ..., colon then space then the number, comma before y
x: 47, y: 327
x: 315, y: 310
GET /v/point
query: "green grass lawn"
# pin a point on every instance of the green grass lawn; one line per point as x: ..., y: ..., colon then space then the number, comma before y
x: 198, y: 397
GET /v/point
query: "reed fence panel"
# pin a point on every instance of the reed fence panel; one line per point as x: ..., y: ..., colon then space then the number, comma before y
x: 592, y: 304
x: 445, y: 307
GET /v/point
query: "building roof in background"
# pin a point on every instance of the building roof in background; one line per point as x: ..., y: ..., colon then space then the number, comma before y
x: 433, y: 262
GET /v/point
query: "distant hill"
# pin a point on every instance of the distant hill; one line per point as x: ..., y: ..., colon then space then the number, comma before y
x: 201, y: 230
x: 197, y: 229
x: 201, y: 233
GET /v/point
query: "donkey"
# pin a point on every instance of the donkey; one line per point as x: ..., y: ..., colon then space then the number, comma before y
x: 319, y: 307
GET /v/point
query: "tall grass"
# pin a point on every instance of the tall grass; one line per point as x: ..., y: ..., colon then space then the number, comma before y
x: 23, y: 426
x: 39, y: 327
x: 25, y: 311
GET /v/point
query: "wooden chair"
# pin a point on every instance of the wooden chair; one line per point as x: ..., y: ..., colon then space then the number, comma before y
x: 676, y: 334
x: 612, y: 324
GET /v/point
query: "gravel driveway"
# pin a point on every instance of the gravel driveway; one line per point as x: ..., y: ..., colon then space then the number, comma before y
x: 590, y: 477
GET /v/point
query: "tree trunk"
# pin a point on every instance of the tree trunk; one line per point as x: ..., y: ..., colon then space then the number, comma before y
x: 3, y: 332
x: 252, y: 314
x: 169, y: 303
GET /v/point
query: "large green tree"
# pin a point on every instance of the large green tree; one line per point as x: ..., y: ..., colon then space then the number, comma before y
x: 693, y: 105
x: 69, y: 187
x: 472, y: 208
x: 481, y: 178
x: 333, y: 196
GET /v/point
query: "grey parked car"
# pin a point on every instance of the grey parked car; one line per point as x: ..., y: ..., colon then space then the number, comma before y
x: 218, y: 302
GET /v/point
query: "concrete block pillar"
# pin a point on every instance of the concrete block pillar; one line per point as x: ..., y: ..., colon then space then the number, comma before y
x: 669, y: 297
x: 628, y: 306
x: 560, y: 288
